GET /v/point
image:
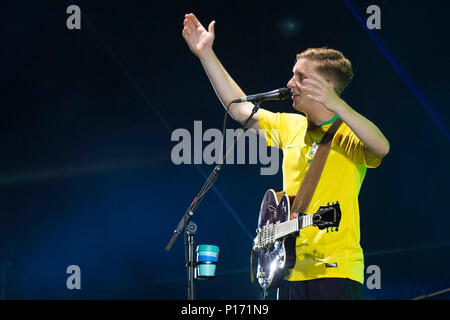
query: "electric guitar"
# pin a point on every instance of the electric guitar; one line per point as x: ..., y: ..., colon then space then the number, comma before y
x: 276, y: 234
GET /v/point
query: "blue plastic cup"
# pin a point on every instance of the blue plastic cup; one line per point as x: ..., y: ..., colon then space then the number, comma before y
x: 207, y: 258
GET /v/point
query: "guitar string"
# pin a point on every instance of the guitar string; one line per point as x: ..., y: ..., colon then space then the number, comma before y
x: 269, y: 233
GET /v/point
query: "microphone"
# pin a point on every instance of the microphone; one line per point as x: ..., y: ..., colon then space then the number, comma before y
x: 278, y: 94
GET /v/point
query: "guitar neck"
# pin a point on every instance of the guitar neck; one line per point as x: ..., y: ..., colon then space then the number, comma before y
x: 285, y: 228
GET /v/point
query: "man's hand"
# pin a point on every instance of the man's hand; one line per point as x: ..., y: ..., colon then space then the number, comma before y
x: 321, y: 91
x: 199, y: 39
x: 200, y: 42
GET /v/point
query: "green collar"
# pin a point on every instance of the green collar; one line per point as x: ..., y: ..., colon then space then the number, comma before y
x: 329, y: 121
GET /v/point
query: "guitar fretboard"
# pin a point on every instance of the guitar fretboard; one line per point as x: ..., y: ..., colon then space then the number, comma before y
x: 285, y: 228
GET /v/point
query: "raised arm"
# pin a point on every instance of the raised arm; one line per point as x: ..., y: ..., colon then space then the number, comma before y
x: 200, y: 41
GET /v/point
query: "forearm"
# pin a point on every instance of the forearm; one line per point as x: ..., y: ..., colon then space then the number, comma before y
x: 225, y: 87
x: 368, y: 132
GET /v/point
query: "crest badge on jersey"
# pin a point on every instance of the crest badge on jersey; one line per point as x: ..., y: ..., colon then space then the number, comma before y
x: 312, y: 150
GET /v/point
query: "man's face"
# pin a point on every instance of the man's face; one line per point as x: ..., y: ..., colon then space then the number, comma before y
x: 301, y: 70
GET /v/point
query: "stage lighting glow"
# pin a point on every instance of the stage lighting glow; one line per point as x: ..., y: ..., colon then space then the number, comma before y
x: 289, y: 27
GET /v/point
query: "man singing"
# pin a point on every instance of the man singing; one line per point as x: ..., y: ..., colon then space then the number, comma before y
x: 329, y: 262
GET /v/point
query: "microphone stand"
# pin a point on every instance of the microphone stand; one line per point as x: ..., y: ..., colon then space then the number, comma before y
x: 186, y: 225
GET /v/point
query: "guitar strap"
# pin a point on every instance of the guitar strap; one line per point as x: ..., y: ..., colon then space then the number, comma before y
x: 309, y: 183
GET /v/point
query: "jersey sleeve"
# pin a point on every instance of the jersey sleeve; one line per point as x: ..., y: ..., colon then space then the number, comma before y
x: 354, y: 148
x: 272, y: 126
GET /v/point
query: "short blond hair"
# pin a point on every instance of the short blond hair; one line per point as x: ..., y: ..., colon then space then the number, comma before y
x: 332, y: 63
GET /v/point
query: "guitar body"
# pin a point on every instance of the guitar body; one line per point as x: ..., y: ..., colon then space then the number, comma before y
x: 274, y: 262
x: 277, y: 232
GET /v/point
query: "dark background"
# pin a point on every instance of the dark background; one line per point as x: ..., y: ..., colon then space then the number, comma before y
x: 87, y: 115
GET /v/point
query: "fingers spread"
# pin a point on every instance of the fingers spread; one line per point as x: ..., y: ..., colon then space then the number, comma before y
x: 313, y: 82
x: 310, y: 89
x: 313, y: 98
x: 318, y: 78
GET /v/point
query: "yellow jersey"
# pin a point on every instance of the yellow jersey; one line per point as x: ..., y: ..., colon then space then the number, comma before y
x: 332, y: 252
